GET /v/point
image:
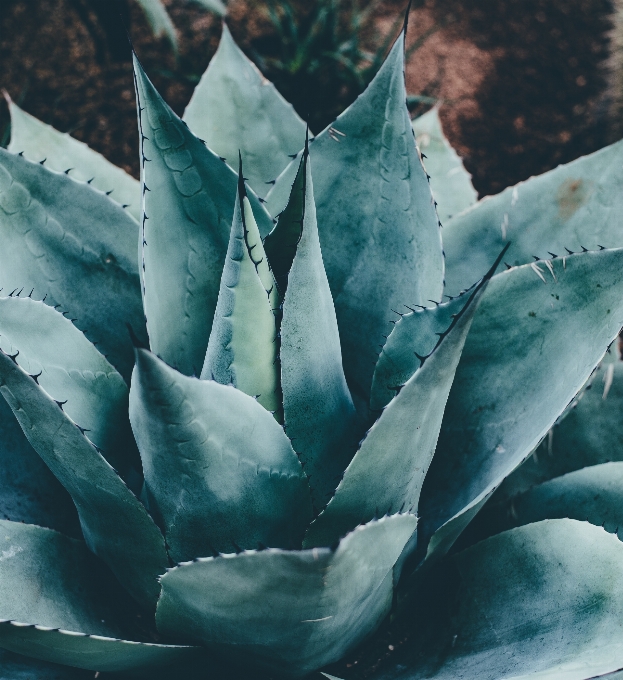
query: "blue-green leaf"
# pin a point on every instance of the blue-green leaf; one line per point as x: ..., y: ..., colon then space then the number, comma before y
x: 539, y: 332
x: 219, y: 469
x: 450, y: 183
x: 387, y: 473
x: 115, y: 525
x: 52, y: 606
x: 71, y: 371
x: 319, y: 412
x: 75, y: 246
x: 62, y: 153
x: 243, y: 603
x: 377, y: 223
x: 544, y: 601
x: 188, y: 204
x: 159, y: 20
x: 235, y: 109
x: 243, y: 348
x: 574, y: 206
x: 18, y: 667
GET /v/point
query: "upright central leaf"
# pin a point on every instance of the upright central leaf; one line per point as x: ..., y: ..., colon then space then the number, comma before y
x: 242, y: 349
x: 188, y: 201
x: 319, y: 411
x: 377, y: 222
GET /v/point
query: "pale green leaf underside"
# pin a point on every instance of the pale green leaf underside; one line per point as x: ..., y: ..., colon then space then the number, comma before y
x: 318, y: 408
x: 61, y: 152
x: 575, y: 205
x: 243, y: 603
x: 544, y: 601
x: 73, y: 244
x: 378, y: 228
x: 188, y: 202
x: 116, y: 526
x: 159, y: 20
x: 387, y: 473
x: 450, y: 183
x: 243, y: 346
x: 235, y: 109
x: 590, y: 434
x: 220, y: 471
x: 536, y: 338
x: 47, y: 582
x: 70, y: 369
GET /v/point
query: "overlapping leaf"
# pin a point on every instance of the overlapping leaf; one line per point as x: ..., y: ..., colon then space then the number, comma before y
x: 574, y: 206
x: 244, y: 603
x: 59, y: 151
x: 115, y: 525
x: 219, y: 469
x: 188, y: 203
x: 376, y: 219
x: 73, y: 244
x: 235, y: 109
x: 538, y: 334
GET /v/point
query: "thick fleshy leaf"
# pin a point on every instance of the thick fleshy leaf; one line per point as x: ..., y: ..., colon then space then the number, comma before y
x: 159, y: 20
x: 450, y: 182
x: 539, y: 332
x: 61, y: 152
x: 319, y: 412
x: 235, y: 109
x: 47, y: 583
x: 589, y: 434
x: 243, y: 347
x: 73, y: 244
x: 115, y: 525
x: 70, y: 369
x: 188, y: 204
x: 544, y: 601
x: 29, y: 492
x: 387, y: 473
x: 220, y: 472
x: 377, y: 223
x: 576, y: 205
x: 242, y: 604
x: 594, y: 494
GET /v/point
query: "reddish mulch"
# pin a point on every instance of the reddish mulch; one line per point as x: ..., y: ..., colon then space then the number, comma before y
x: 521, y: 81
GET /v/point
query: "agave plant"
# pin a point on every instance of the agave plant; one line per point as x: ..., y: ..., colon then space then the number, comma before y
x: 244, y: 480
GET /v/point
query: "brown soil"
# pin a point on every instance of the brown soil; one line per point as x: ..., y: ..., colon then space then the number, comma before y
x: 520, y: 81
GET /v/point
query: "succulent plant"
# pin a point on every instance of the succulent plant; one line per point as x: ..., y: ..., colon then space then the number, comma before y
x: 269, y: 487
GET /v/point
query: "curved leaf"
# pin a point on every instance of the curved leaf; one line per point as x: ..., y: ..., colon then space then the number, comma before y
x: 450, y: 182
x: 62, y: 153
x: 387, y: 473
x: 318, y: 408
x: 220, y: 471
x: 68, y: 367
x: 542, y: 601
x: 378, y: 227
x: 576, y: 205
x: 74, y: 245
x: 47, y: 583
x: 235, y: 109
x: 188, y: 204
x: 29, y: 492
x: 243, y: 603
x: 538, y: 334
x: 589, y: 434
x: 116, y: 526
x: 18, y: 667
x: 594, y: 494
x: 243, y: 346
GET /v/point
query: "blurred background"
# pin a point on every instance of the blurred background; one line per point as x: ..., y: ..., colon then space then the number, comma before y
x: 522, y: 85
